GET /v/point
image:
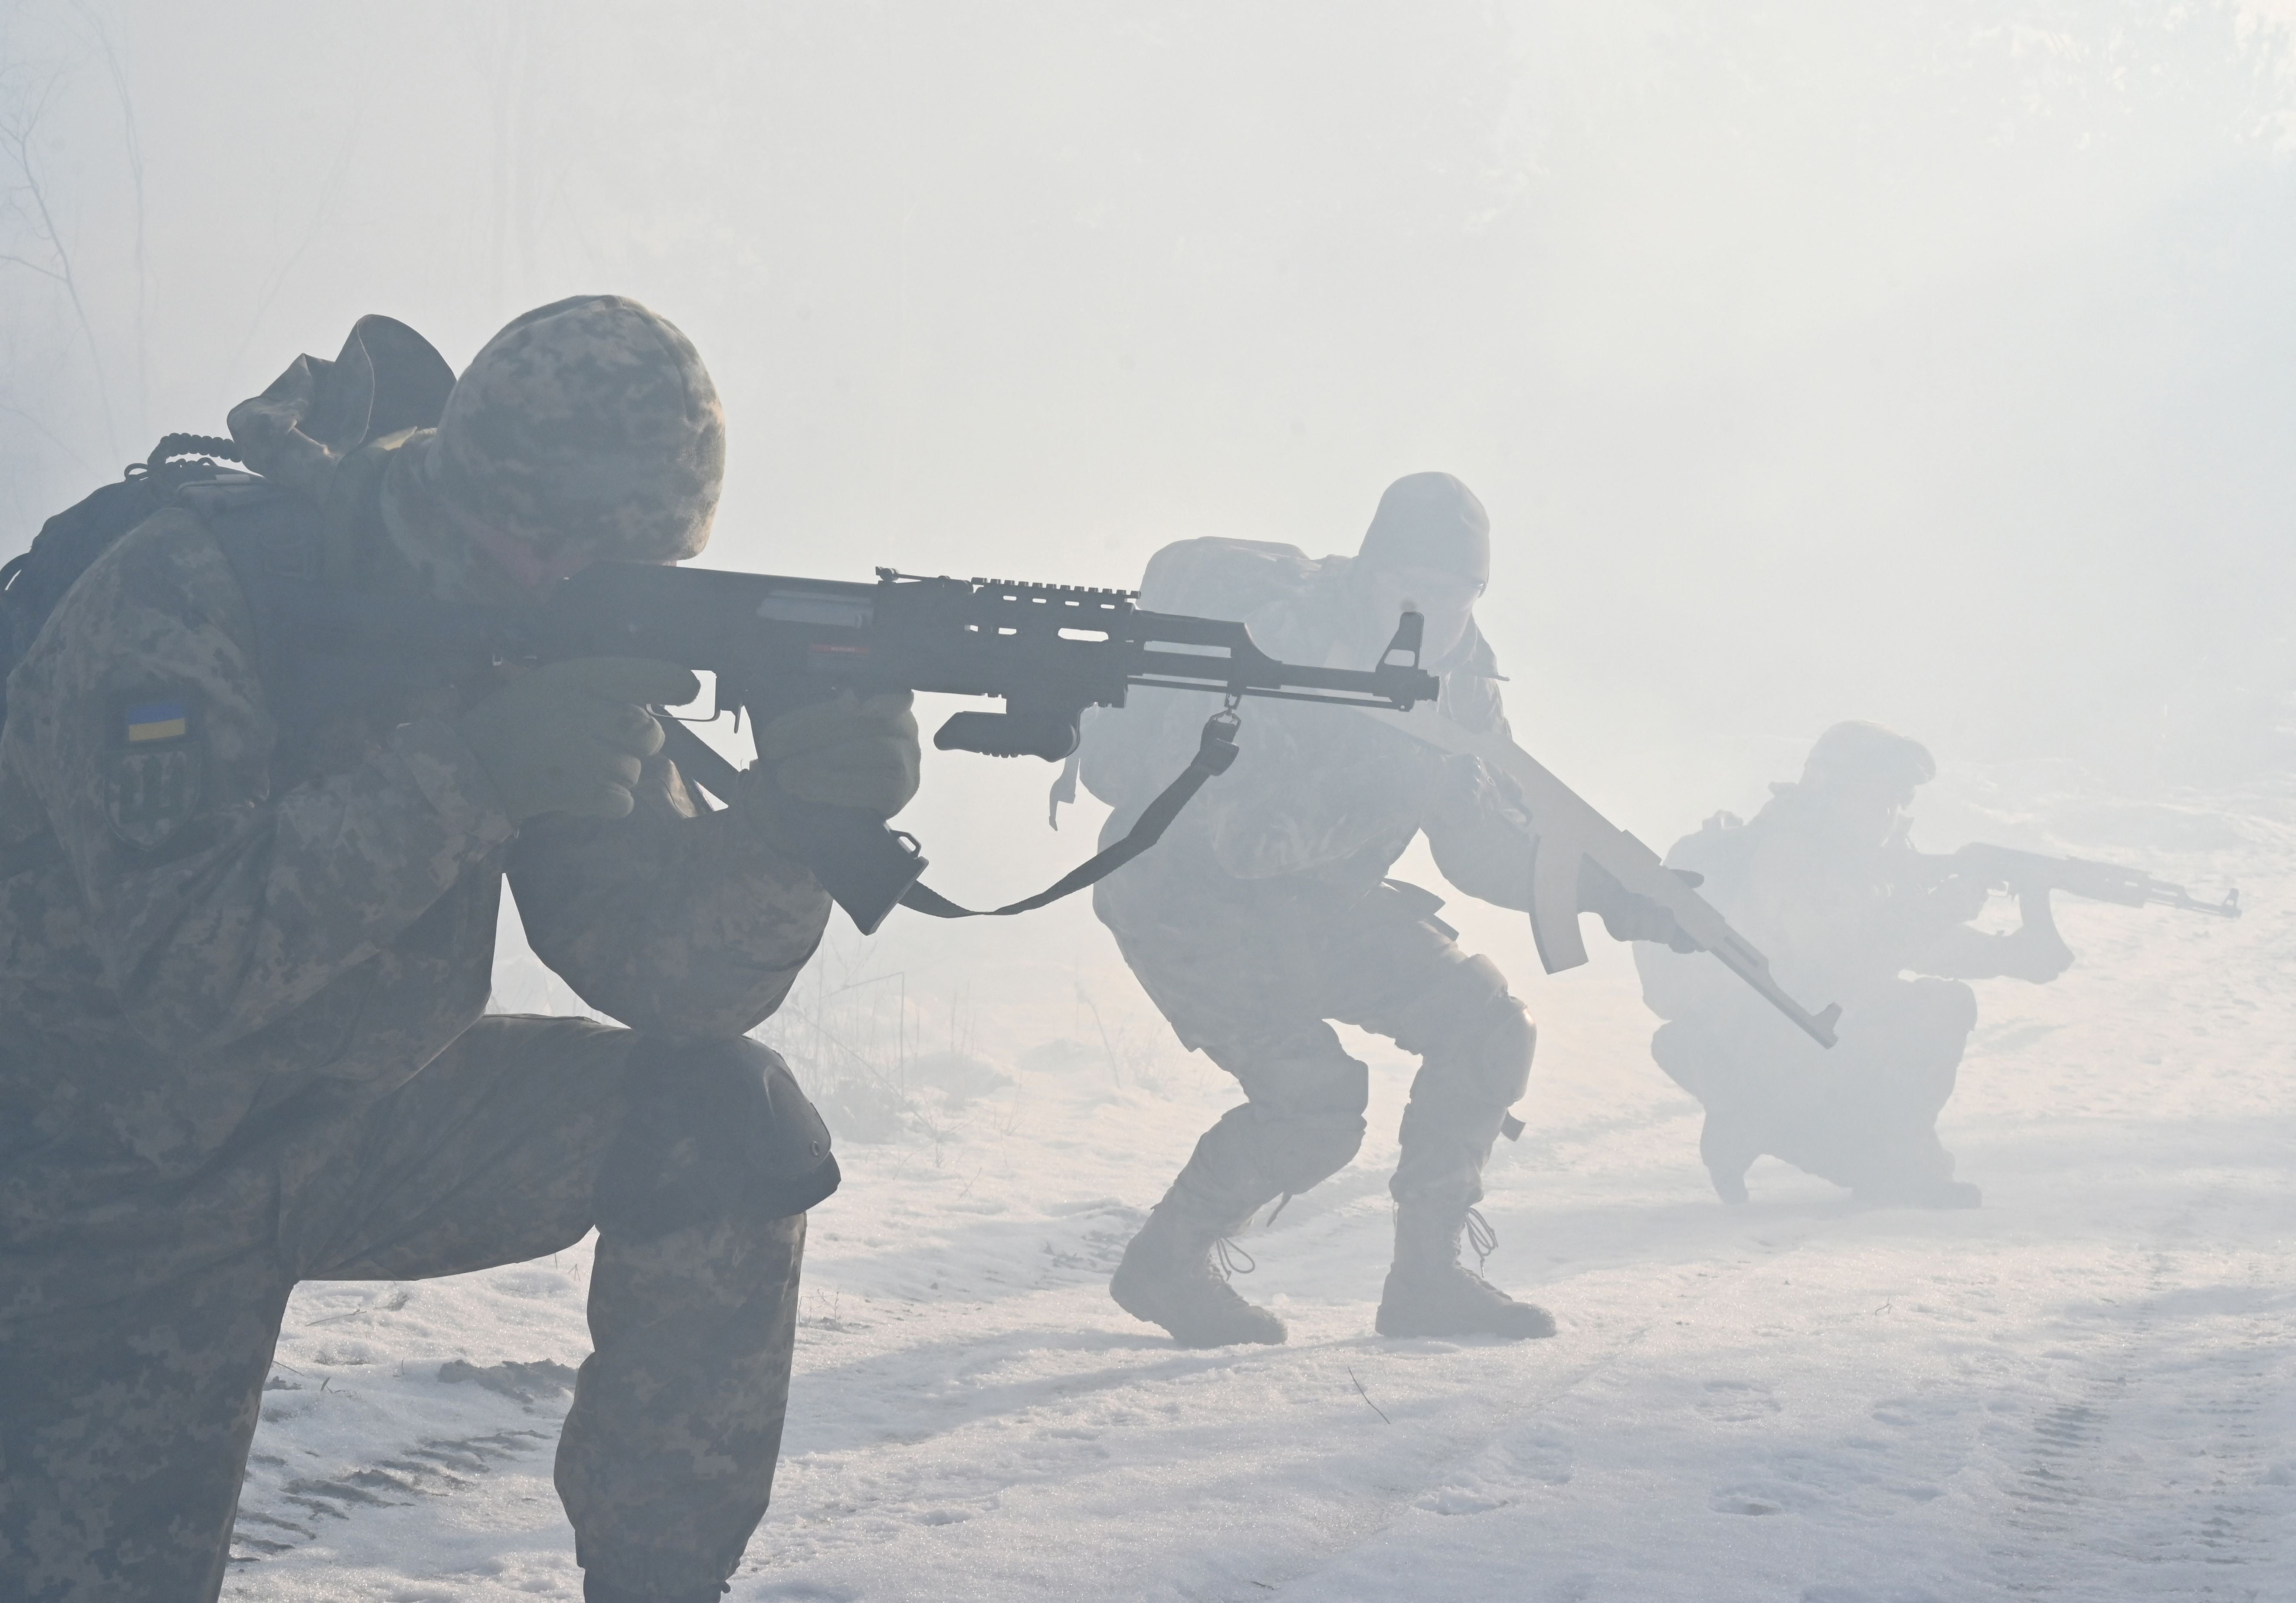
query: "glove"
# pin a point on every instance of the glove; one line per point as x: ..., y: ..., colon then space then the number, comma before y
x: 1627, y: 916
x: 570, y: 737
x: 849, y: 751
x: 1960, y: 898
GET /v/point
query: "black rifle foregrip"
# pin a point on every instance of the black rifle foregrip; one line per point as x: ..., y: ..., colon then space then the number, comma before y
x: 1049, y: 735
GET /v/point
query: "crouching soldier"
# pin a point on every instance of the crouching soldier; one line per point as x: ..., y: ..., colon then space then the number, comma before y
x: 247, y: 904
x: 1265, y: 913
x: 1825, y: 881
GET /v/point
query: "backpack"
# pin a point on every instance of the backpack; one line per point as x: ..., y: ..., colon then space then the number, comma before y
x: 1212, y: 577
x: 388, y: 379
x: 1678, y: 985
x: 68, y: 545
x: 1128, y: 755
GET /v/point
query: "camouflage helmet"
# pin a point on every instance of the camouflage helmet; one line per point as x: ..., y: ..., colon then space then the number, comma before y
x: 587, y: 425
x: 1429, y: 521
x: 1857, y: 752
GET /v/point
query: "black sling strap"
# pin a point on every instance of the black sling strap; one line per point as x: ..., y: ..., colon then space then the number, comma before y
x: 1215, y: 751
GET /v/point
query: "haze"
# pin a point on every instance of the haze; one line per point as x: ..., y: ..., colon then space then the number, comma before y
x: 1933, y: 363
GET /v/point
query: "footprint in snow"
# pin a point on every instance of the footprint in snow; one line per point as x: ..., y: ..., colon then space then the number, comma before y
x: 1461, y: 1500
x: 1736, y: 1401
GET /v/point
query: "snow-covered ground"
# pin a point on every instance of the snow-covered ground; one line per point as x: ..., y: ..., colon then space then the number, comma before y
x: 2086, y: 1389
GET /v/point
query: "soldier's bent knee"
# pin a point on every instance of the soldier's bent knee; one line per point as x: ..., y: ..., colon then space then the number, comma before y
x: 1949, y: 1005
x: 714, y: 1130
x: 1453, y: 1003
x: 1489, y: 1054
x: 1301, y: 1150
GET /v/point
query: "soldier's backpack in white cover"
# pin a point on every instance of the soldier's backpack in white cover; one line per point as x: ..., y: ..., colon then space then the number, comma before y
x: 1678, y: 985
x: 1130, y: 753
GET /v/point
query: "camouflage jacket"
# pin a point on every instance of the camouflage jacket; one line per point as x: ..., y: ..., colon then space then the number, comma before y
x: 1840, y: 916
x: 204, y: 916
x: 1321, y: 800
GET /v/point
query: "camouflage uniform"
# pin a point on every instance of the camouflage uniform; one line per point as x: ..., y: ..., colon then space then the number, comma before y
x: 1265, y: 912
x: 243, y: 968
x: 1840, y: 905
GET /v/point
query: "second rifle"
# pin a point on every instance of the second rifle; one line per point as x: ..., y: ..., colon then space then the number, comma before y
x: 2024, y: 873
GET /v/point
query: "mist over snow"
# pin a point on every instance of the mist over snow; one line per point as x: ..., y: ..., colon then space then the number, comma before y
x: 1932, y: 363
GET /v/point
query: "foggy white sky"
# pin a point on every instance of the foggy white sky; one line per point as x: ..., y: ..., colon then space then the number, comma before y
x: 1924, y: 361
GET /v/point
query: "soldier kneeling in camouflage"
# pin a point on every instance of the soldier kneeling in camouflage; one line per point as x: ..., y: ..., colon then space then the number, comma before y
x: 1825, y: 881
x: 1265, y: 912
x: 248, y: 904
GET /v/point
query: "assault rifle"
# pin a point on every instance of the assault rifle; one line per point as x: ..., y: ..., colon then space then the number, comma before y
x: 2022, y: 873
x: 1047, y: 651
x: 1570, y: 832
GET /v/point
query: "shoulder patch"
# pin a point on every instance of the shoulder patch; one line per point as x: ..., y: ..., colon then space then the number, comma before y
x: 147, y: 723
x: 154, y: 766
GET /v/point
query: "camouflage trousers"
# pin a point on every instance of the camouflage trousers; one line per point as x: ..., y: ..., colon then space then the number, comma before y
x: 126, y: 1415
x: 1255, y: 983
x: 1863, y: 1114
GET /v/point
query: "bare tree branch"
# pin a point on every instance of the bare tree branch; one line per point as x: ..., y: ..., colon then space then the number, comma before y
x: 16, y: 140
x: 118, y: 70
x: 28, y: 263
x: 335, y: 176
x: 50, y: 435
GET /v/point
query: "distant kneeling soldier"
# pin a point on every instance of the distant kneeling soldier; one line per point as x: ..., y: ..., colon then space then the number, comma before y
x: 1824, y: 880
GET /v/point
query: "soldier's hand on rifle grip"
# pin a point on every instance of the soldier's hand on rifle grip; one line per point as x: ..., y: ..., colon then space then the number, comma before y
x: 571, y: 737
x: 851, y: 750
x: 1625, y: 915
x: 1959, y: 897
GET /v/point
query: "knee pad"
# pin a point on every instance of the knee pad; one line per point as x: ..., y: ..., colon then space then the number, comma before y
x: 1454, y: 1004
x: 1491, y: 1059
x: 1300, y: 1150
x: 714, y: 1130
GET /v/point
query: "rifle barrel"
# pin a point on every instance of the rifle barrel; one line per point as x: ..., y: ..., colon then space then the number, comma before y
x: 2008, y: 868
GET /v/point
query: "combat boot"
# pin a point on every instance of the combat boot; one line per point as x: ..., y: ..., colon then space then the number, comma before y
x: 1170, y: 1277
x: 1429, y: 1292
x: 604, y: 1585
x: 1728, y: 1151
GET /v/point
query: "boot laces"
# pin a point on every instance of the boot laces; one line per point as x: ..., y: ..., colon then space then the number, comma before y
x: 1230, y: 1259
x: 1480, y: 1236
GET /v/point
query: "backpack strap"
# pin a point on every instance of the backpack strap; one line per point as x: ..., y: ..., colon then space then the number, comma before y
x: 320, y: 644
x: 210, y: 445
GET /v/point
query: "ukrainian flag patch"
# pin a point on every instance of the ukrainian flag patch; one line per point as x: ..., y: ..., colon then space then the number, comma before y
x: 149, y: 722
x: 155, y: 768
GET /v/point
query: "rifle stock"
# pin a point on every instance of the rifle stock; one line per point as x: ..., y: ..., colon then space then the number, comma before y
x: 1568, y: 830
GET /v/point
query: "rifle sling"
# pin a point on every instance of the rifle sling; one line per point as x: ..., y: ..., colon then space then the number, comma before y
x: 1214, y: 752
